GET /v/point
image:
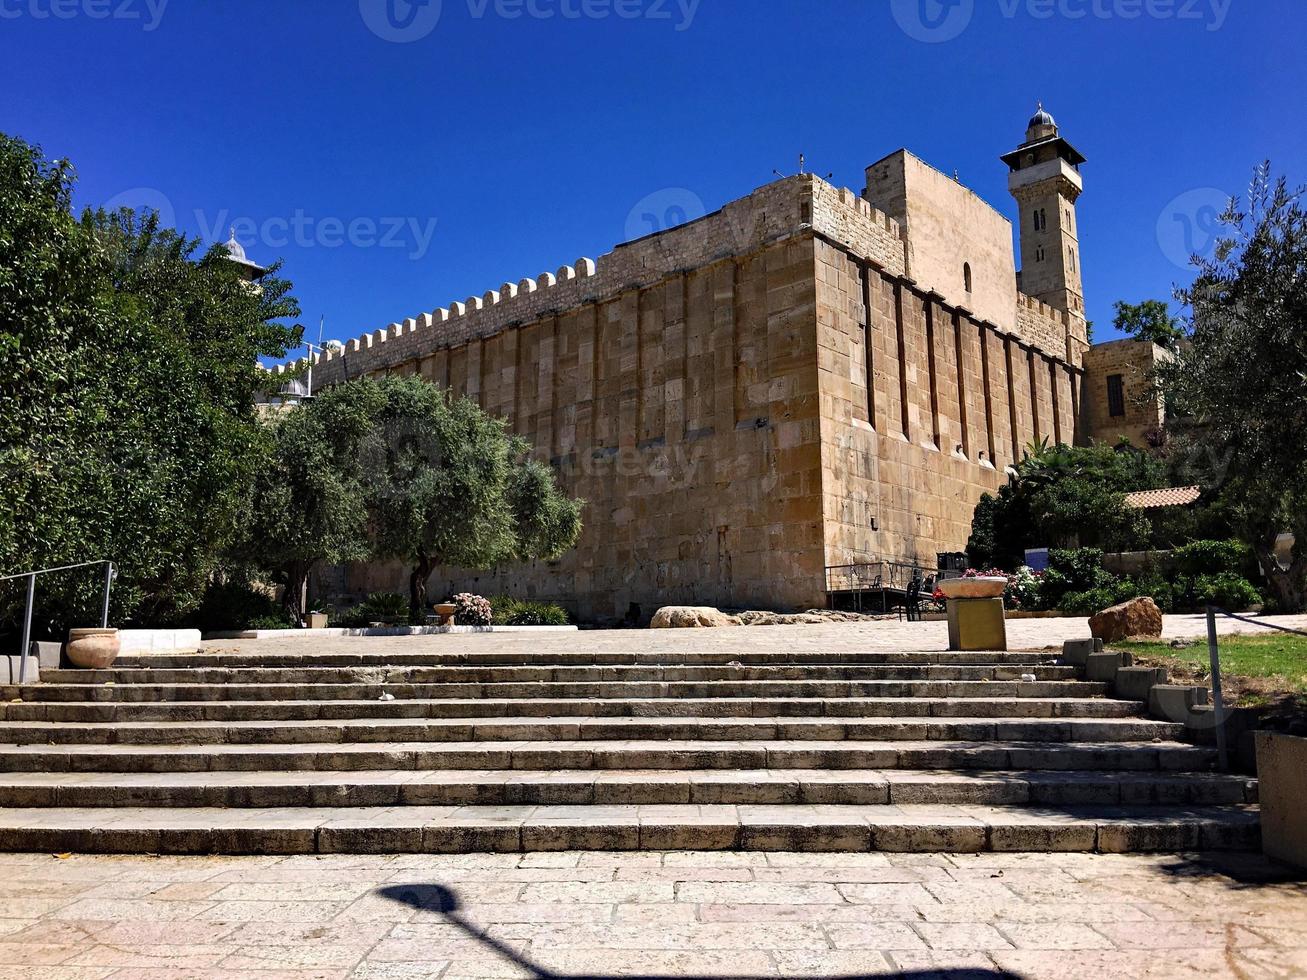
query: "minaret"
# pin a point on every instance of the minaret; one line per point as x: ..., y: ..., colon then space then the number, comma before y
x: 251, y: 272
x: 1045, y: 180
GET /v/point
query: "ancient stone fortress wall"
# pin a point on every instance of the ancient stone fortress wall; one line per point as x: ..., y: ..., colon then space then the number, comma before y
x: 705, y: 391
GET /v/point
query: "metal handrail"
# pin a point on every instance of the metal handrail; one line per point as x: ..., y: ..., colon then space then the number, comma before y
x: 1214, y: 658
x: 109, y: 575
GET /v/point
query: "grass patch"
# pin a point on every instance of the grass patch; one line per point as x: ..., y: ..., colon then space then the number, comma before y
x: 1278, y: 656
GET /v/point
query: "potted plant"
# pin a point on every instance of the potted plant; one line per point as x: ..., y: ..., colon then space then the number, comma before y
x: 93, y: 648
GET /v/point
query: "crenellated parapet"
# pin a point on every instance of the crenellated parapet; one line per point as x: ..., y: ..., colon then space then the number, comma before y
x: 1053, y: 331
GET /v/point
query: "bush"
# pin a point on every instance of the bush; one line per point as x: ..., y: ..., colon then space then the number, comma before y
x: 1073, y: 571
x: 1093, y: 600
x: 1156, y: 588
x: 379, y: 607
x: 1228, y: 590
x: 239, y: 605
x: 514, y: 612
x: 1212, y: 558
x: 471, y: 610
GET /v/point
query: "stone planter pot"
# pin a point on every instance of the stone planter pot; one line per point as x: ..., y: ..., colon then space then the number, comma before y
x: 93, y: 649
x: 445, y: 613
x: 972, y: 588
x: 1282, y: 784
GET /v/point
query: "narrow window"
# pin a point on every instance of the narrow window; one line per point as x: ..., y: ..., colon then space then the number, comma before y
x: 1115, y: 396
x: 966, y: 275
x: 1071, y: 257
x: 1036, y: 219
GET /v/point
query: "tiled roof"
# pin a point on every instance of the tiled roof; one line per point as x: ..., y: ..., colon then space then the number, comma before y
x: 1170, y: 497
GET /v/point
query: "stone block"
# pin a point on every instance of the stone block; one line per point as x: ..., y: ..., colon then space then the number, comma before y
x: 1138, y: 617
x: 1282, y: 788
x: 1135, y: 683
x: 1076, y: 652
x: 976, y: 624
x: 11, y: 668
x: 1174, y: 701
x: 1103, y: 666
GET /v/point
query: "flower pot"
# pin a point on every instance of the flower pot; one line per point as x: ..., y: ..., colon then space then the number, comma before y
x: 93, y: 649
x: 972, y: 588
x: 446, y: 610
x: 317, y: 621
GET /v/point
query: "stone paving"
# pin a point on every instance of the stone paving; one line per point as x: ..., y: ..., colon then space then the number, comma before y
x: 886, y: 635
x: 652, y: 914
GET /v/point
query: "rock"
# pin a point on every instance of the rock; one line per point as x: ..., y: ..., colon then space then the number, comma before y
x: 690, y: 617
x: 1138, y: 617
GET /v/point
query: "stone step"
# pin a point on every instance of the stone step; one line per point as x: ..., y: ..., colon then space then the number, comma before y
x: 337, y: 710
x: 563, y: 675
x: 590, y: 689
x: 608, y: 787
x: 491, y: 658
x: 634, y: 754
x: 827, y: 728
x: 461, y: 829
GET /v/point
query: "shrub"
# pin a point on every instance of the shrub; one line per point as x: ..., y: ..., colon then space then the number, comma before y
x: 1227, y: 590
x: 239, y: 605
x: 471, y: 610
x: 1212, y: 558
x: 379, y: 607
x: 1156, y: 588
x: 514, y: 612
x: 1093, y: 600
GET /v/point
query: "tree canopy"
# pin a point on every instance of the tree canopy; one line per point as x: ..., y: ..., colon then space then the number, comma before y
x: 452, y: 487
x: 1150, y: 320
x: 1064, y: 496
x: 128, y: 373
x: 1237, y: 394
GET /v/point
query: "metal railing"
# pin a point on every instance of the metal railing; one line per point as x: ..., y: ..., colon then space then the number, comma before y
x: 1214, y: 658
x: 879, y: 576
x: 109, y: 575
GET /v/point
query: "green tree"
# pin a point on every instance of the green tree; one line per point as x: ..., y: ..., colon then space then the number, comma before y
x: 1237, y: 395
x: 453, y: 488
x: 1150, y: 320
x: 128, y: 372
x: 1064, y: 496
x: 309, y: 499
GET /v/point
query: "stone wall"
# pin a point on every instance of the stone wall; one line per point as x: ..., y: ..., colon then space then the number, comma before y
x: 707, y: 391
x: 1144, y: 414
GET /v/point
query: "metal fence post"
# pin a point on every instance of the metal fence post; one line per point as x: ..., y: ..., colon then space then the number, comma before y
x: 27, y: 630
x: 108, y: 584
x: 1218, y: 703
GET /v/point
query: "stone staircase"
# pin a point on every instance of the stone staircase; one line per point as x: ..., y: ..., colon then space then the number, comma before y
x: 536, y: 750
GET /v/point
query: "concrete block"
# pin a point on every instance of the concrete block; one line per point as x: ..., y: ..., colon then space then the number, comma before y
x: 1282, y: 787
x: 1103, y: 666
x: 976, y: 624
x: 11, y: 668
x: 1173, y: 701
x: 1135, y: 683
x: 1076, y: 652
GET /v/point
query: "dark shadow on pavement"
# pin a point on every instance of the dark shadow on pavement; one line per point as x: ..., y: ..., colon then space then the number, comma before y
x: 445, y: 901
x: 1241, y: 869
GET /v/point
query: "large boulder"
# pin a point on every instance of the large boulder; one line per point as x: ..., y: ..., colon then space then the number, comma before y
x: 1138, y: 617
x: 690, y: 617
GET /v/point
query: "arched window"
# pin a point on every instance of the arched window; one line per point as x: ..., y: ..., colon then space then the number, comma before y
x: 966, y: 275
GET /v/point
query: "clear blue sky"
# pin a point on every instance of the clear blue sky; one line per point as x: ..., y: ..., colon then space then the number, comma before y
x: 495, y: 142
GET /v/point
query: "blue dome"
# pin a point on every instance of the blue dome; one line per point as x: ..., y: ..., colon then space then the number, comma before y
x: 1041, y: 119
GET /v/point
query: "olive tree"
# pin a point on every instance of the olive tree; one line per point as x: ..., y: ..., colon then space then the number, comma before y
x: 451, y: 486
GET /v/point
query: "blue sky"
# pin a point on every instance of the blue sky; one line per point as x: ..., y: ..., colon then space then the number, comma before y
x: 401, y: 157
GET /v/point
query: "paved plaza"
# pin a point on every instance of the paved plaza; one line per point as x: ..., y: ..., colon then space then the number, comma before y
x: 653, y: 914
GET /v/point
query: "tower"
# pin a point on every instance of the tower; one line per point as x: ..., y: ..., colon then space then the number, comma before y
x: 1045, y: 180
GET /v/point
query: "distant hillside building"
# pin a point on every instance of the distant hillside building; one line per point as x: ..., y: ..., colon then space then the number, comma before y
x: 806, y: 378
